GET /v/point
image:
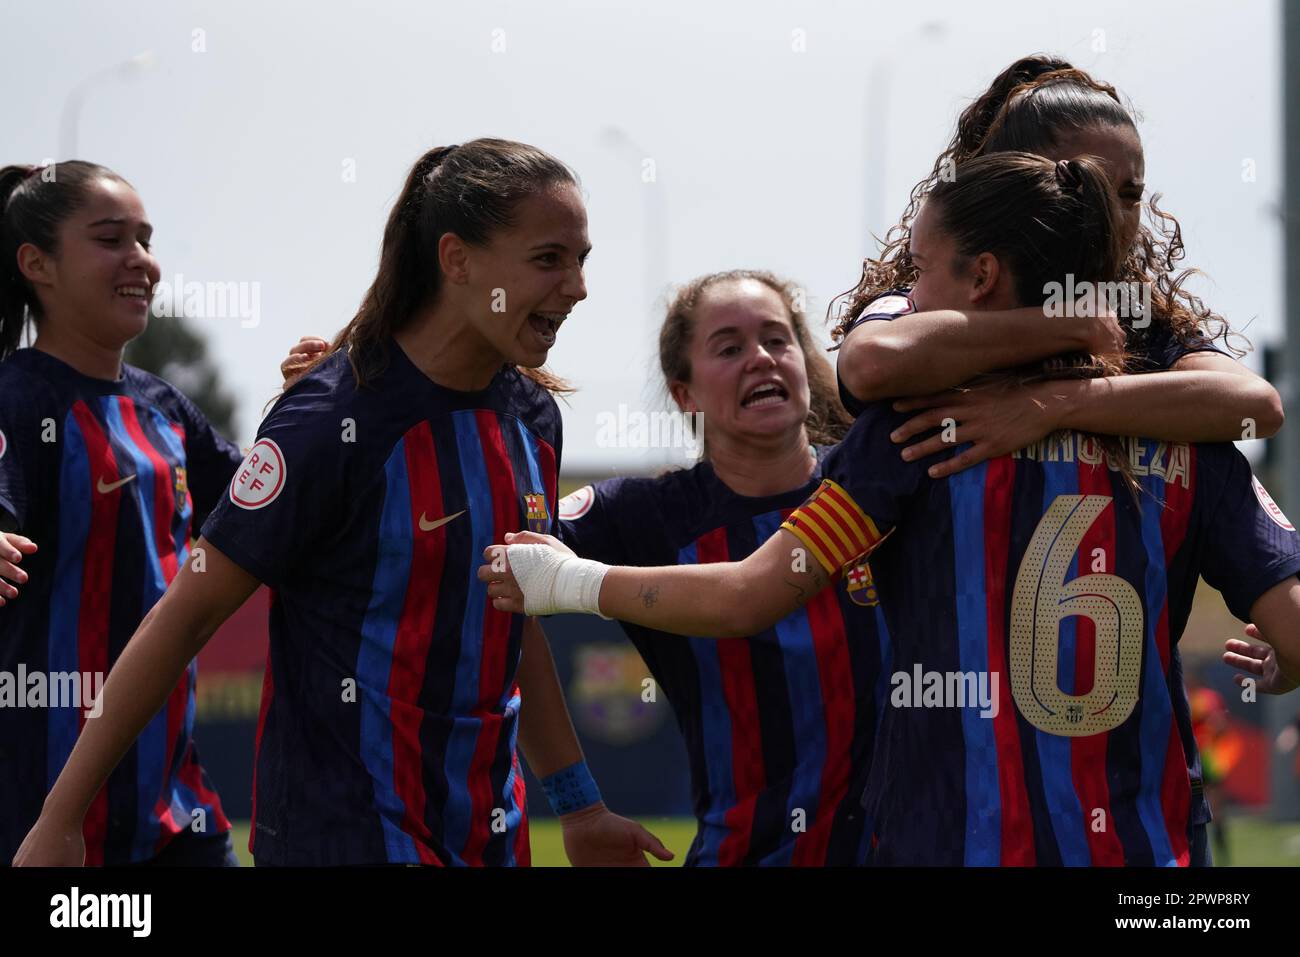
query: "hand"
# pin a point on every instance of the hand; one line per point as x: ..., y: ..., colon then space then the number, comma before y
x: 995, y: 420
x: 12, y: 549
x: 301, y: 358
x: 51, y: 844
x: 1258, y: 660
x: 597, y: 837
x: 503, y: 589
x: 1103, y: 334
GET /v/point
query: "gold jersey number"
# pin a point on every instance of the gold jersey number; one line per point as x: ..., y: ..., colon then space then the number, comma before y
x: 1043, y: 599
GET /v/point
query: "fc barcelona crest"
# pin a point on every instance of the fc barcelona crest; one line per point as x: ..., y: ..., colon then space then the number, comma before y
x: 538, y: 519
x: 862, y: 587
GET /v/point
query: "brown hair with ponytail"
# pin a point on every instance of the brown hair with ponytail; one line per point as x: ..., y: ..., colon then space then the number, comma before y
x: 1044, y: 221
x: 35, y: 201
x: 1031, y: 106
x: 471, y: 190
x: 827, y: 421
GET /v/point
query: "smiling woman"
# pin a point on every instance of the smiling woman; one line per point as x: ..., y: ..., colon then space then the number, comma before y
x: 78, y: 234
x: 506, y: 224
x: 393, y: 688
x: 107, y: 469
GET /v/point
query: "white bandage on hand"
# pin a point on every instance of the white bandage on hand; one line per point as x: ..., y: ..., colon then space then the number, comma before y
x: 553, y: 582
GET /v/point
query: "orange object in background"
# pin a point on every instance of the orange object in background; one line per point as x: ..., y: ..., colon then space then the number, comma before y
x: 1234, y: 753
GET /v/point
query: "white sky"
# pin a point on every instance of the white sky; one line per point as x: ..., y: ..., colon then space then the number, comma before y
x: 765, y: 157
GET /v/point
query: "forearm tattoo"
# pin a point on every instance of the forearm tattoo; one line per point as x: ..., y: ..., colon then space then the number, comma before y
x: 801, y: 593
x: 648, y: 596
x: 801, y: 596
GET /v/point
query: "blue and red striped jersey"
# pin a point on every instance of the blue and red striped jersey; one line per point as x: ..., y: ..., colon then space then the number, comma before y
x: 107, y: 478
x: 778, y: 726
x: 1037, y: 713
x: 1153, y: 348
x: 390, y: 709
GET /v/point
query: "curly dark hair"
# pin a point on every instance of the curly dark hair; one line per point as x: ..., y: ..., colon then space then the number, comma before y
x: 1029, y: 107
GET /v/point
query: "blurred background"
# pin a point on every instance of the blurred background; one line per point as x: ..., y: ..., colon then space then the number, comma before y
x: 269, y: 140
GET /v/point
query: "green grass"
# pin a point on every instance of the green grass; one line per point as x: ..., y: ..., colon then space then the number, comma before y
x: 1253, y: 841
x: 1262, y: 843
x: 548, y: 848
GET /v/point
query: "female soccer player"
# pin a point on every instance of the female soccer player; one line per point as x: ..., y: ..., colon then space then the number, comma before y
x: 1042, y: 105
x: 389, y: 716
x: 106, y: 468
x: 778, y: 725
x: 1036, y: 712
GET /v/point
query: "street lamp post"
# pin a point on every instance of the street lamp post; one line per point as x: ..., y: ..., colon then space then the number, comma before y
x: 70, y: 118
x: 655, y: 203
x: 875, y: 153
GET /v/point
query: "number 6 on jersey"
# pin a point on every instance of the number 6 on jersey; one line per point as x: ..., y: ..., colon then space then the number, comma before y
x: 1043, y: 599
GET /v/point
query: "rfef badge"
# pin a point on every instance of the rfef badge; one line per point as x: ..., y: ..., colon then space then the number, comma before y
x: 538, y: 519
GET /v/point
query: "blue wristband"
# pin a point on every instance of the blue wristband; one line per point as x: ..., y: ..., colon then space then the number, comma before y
x: 571, y: 789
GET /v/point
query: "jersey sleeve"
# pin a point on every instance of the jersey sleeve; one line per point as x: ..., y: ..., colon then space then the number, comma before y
x: 211, y: 460
x: 891, y: 305
x: 1157, y: 348
x: 865, y: 487
x: 24, y: 455
x: 588, y: 522
x: 287, y: 493
x: 1249, y: 544
x: 558, y: 438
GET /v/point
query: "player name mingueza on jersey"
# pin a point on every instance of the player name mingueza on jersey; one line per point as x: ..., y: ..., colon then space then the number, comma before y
x: 1170, y: 461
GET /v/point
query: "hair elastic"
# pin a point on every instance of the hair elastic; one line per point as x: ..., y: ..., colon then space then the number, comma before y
x: 1068, y: 175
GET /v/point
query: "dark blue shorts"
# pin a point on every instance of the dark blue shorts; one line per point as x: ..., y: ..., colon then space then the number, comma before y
x: 188, y: 849
x: 1199, y: 846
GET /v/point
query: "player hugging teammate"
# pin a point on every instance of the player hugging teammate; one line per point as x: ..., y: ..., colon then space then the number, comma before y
x: 1015, y: 541
x: 1069, y: 577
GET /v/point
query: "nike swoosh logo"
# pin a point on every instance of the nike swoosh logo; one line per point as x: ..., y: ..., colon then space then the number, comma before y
x: 428, y: 526
x: 113, y: 486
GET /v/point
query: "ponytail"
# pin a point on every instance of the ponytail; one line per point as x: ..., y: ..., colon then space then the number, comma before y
x: 976, y: 120
x: 1026, y: 108
x: 1046, y: 221
x: 1084, y: 179
x: 471, y: 190
x: 14, y: 289
x: 34, y: 203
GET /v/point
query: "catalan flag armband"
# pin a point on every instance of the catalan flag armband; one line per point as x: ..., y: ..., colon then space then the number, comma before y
x: 833, y: 527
